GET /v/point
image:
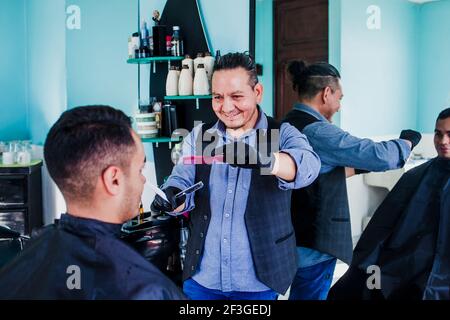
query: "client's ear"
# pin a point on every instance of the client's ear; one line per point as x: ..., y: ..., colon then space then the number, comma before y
x: 112, y: 178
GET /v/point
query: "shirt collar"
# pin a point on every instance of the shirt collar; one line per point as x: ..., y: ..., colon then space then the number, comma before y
x: 309, y: 110
x: 89, y: 227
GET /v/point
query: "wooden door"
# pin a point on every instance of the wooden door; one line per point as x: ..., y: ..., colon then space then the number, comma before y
x: 300, y: 33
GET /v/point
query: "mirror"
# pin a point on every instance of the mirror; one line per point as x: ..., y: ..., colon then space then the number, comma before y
x: 390, y: 55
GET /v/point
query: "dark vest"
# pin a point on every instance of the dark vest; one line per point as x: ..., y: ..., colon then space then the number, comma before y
x: 320, y: 212
x: 269, y: 227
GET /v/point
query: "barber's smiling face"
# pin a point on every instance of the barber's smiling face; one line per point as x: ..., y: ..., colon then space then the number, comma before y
x: 442, y: 138
x: 234, y: 100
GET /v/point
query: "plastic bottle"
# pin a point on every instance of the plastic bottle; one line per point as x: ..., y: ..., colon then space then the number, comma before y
x: 185, y: 83
x: 201, y: 82
x: 136, y: 44
x: 157, y: 109
x: 190, y: 63
x: 144, y: 50
x: 177, y: 42
x: 172, y: 82
x: 197, y: 61
x: 169, y: 44
x: 208, y: 61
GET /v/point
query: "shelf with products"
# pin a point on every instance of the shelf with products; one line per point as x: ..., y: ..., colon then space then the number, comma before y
x: 152, y: 73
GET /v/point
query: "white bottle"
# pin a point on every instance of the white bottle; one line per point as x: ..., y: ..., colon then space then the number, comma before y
x: 185, y: 83
x: 208, y: 61
x: 201, y: 82
x: 172, y: 82
x: 197, y: 61
x: 190, y: 63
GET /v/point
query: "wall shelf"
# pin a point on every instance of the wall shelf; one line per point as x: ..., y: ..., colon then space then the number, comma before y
x: 154, y: 59
x: 187, y: 97
x: 159, y: 140
x: 196, y: 98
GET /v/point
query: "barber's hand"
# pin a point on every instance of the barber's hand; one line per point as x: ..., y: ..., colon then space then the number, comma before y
x: 242, y: 155
x: 159, y: 204
x: 412, y: 136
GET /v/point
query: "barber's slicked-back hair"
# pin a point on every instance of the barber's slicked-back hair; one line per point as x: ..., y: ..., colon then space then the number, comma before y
x: 444, y: 114
x: 236, y: 60
x: 83, y: 143
x: 308, y: 80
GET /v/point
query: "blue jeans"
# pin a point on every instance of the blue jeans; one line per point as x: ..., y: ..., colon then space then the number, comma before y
x: 313, y: 282
x: 195, y: 291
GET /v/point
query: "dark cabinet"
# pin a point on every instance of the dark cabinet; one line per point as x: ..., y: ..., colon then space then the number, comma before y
x: 21, y: 197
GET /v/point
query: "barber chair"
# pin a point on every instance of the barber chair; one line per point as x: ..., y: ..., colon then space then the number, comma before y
x: 11, y: 243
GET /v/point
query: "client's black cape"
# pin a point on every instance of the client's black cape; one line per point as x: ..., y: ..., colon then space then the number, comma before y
x: 408, y: 238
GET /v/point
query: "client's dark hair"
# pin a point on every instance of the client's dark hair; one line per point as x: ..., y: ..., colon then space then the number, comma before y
x: 83, y: 143
x: 308, y: 80
x: 238, y: 60
x: 444, y: 114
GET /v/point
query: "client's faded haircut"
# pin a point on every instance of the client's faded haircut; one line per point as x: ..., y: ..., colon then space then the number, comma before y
x: 83, y: 143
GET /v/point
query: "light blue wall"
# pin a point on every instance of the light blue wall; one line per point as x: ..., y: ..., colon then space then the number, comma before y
x: 334, y: 42
x: 97, y: 72
x: 379, y: 67
x: 434, y: 63
x: 55, y: 68
x: 226, y: 24
x: 14, y: 120
x: 264, y: 51
x: 46, y: 64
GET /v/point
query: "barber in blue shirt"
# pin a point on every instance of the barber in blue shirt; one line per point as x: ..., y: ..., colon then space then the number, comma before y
x: 320, y: 212
x: 242, y: 242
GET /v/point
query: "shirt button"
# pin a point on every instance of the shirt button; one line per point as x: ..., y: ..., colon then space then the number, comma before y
x: 205, y: 217
x: 230, y: 191
x: 227, y: 215
x: 201, y: 234
x: 192, y: 268
x: 225, y: 240
x: 197, y: 251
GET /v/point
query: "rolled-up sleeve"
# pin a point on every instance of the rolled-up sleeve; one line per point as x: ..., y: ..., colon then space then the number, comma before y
x: 294, y: 143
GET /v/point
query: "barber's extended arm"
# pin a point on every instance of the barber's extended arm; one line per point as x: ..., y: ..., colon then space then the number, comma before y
x: 338, y: 148
x: 411, y: 137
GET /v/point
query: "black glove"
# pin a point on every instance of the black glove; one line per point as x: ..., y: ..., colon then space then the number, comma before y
x: 412, y: 136
x: 242, y: 155
x: 159, y: 204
